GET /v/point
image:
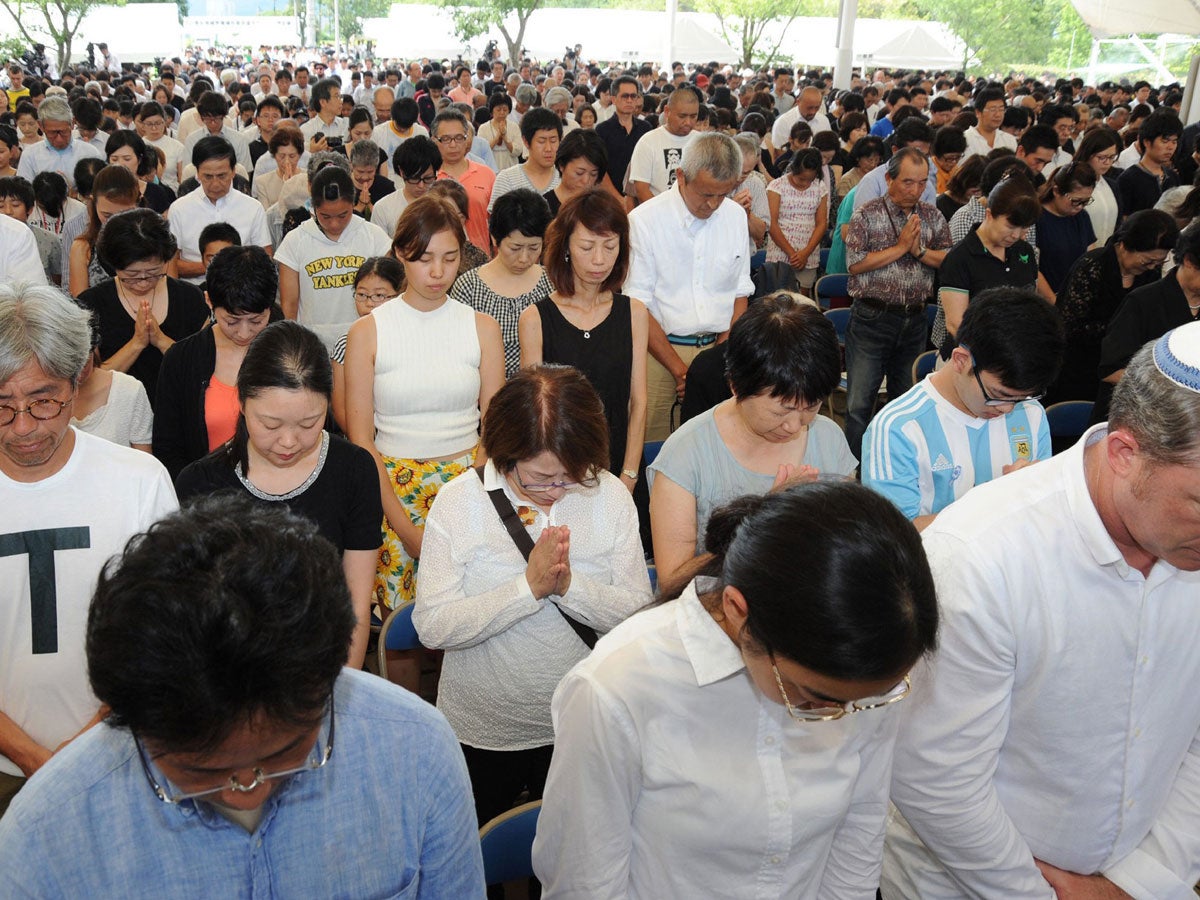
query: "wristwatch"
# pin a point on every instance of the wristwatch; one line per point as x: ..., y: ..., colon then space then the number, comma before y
x: 630, y: 473
x: 924, y: 250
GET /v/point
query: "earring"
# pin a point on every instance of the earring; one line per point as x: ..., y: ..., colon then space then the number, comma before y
x: 567, y: 255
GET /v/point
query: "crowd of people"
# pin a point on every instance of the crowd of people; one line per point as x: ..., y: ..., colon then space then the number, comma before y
x: 290, y: 341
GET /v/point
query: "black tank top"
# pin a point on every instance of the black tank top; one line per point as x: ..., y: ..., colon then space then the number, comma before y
x: 605, y: 355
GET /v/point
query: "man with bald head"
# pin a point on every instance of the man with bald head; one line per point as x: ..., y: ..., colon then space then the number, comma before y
x: 660, y: 152
x: 809, y: 108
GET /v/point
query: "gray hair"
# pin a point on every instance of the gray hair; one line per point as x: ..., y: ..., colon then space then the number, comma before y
x: 527, y: 94
x: 513, y: 78
x: 55, y: 109
x: 715, y: 153
x: 749, y: 143
x: 898, y: 158
x: 449, y: 115
x: 556, y: 95
x: 1164, y: 417
x: 41, y: 324
x: 318, y: 161
x: 364, y: 153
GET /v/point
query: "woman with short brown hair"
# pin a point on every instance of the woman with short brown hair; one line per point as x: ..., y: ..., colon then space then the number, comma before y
x: 515, y: 601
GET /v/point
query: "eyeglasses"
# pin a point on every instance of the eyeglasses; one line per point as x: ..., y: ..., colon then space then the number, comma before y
x: 42, y: 410
x: 1105, y: 157
x: 1081, y: 202
x: 424, y: 179
x: 317, y: 758
x: 544, y: 486
x: 952, y: 158
x: 141, y: 277
x: 372, y: 299
x: 989, y: 400
x: 452, y: 139
x: 815, y: 713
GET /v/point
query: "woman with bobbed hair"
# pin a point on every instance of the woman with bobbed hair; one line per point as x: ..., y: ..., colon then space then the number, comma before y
x: 513, y: 280
x: 581, y: 161
x: 782, y: 360
x: 197, y: 399
x: 280, y: 452
x: 521, y: 558
x: 589, y: 324
x: 143, y: 310
x: 420, y: 372
x: 505, y: 143
x: 1099, y: 149
x: 286, y: 146
x: 114, y: 190
x: 1065, y: 230
x: 125, y: 148
x: 748, y: 725
x: 1095, y: 288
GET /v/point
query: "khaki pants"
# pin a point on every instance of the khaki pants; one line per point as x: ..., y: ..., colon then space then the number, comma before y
x: 660, y: 392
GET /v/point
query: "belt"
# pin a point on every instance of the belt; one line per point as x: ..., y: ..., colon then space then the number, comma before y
x: 908, y: 309
x: 703, y: 339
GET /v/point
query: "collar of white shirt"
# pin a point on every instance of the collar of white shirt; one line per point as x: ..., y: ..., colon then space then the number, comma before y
x: 492, y: 479
x: 712, y: 654
x: 1083, y: 508
x: 690, y: 223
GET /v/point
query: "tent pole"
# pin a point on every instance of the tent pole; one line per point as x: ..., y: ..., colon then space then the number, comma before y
x: 1092, y: 61
x: 1191, y: 96
x: 669, y: 47
x: 842, y: 70
x: 1161, y: 71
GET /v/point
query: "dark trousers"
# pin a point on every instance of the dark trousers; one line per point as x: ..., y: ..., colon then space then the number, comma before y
x: 499, y: 777
x: 878, y: 342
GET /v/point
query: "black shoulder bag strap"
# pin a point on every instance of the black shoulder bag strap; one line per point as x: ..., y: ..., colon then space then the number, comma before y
x: 520, y: 537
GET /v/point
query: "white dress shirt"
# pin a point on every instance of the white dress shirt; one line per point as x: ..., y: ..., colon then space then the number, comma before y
x: 675, y: 777
x: 1060, y: 717
x: 977, y: 144
x: 188, y: 216
x: 240, y: 144
x: 782, y: 129
x: 41, y: 157
x: 505, y: 650
x: 688, y: 271
x: 19, y: 259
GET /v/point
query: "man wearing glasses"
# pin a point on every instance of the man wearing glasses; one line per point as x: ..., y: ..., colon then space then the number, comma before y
x: 60, y: 151
x: 622, y: 130
x: 977, y: 417
x: 1052, y: 746
x: 238, y: 755
x: 71, y: 500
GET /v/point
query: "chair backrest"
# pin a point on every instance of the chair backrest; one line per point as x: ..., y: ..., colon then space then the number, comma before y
x: 923, y: 365
x: 840, y: 319
x: 931, y: 310
x: 507, y: 844
x: 1069, y: 419
x: 397, y: 633
x: 650, y: 451
x: 832, y: 287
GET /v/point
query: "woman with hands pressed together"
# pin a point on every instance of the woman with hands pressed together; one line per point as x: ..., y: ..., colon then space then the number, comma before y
x: 781, y: 361
x: 511, y: 600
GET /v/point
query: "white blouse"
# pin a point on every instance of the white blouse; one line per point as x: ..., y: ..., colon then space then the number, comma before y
x: 505, y: 650
x: 674, y: 776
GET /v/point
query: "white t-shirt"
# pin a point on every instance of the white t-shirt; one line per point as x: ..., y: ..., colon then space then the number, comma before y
x: 173, y: 150
x: 386, y: 213
x: 656, y: 156
x: 188, y: 216
x: 54, y: 537
x: 126, y: 418
x: 326, y: 269
x: 387, y: 139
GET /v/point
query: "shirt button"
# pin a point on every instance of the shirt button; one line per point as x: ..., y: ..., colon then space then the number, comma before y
x: 1129, y: 804
x: 770, y: 742
x: 774, y: 860
x: 780, y: 805
x: 1145, y: 659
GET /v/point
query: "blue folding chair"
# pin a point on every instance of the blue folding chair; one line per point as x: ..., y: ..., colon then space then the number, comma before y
x: 507, y: 844
x: 650, y: 451
x: 841, y: 320
x: 397, y: 633
x: 832, y: 287
x: 1069, y: 419
x: 930, y: 317
x: 923, y: 365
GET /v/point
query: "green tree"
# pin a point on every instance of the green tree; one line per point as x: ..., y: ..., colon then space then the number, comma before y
x: 60, y: 19
x: 744, y: 24
x: 997, y: 33
x: 352, y: 12
x: 476, y: 19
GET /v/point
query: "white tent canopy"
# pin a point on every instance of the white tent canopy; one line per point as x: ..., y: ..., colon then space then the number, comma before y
x: 135, y: 33
x: 914, y: 46
x: 1110, y: 18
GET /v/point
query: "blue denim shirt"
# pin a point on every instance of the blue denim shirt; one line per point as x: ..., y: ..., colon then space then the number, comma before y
x: 391, y: 815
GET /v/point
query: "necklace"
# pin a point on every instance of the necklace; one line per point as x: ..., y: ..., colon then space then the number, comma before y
x: 130, y: 307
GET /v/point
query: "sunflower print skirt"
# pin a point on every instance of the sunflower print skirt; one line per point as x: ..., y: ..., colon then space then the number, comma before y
x: 416, y: 482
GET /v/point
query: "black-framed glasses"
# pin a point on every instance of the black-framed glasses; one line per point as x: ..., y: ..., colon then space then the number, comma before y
x: 989, y: 400
x: 141, y: 277
x: 42, y: 410
x: 814, y: 712
x: 372, y: 299
x: 426, y: 180
x: 1081, y: 202
x: 452, y: 139
x: 318, y: 757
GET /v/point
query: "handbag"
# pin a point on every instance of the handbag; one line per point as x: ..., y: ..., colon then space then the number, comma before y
x: 520, y: 537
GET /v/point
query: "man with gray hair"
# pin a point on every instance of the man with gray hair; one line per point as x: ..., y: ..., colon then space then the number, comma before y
x: 524, y: 97
x: 59, y: 151
x: 1052, y: 748
x: 690, y: 265
x: 71, y: 501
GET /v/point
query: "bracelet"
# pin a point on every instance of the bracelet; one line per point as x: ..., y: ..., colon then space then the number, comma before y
x: 630, y: 473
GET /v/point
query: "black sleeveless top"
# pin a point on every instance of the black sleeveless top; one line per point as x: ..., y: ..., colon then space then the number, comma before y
x: 605, y: 355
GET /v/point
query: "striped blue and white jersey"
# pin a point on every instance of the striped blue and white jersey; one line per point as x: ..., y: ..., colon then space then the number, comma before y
x: 923, y: 453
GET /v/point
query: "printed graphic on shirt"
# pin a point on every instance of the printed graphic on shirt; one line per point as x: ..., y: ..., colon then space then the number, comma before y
x: 40, y: 546
x: 672, y: 157
x: 338, y: 280
x: 1022, y: 446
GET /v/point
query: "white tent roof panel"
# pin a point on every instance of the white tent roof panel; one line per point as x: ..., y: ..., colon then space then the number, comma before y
x: 1110, y: 18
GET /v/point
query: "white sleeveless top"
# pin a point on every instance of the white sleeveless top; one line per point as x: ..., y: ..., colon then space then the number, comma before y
x: 426, y: 380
